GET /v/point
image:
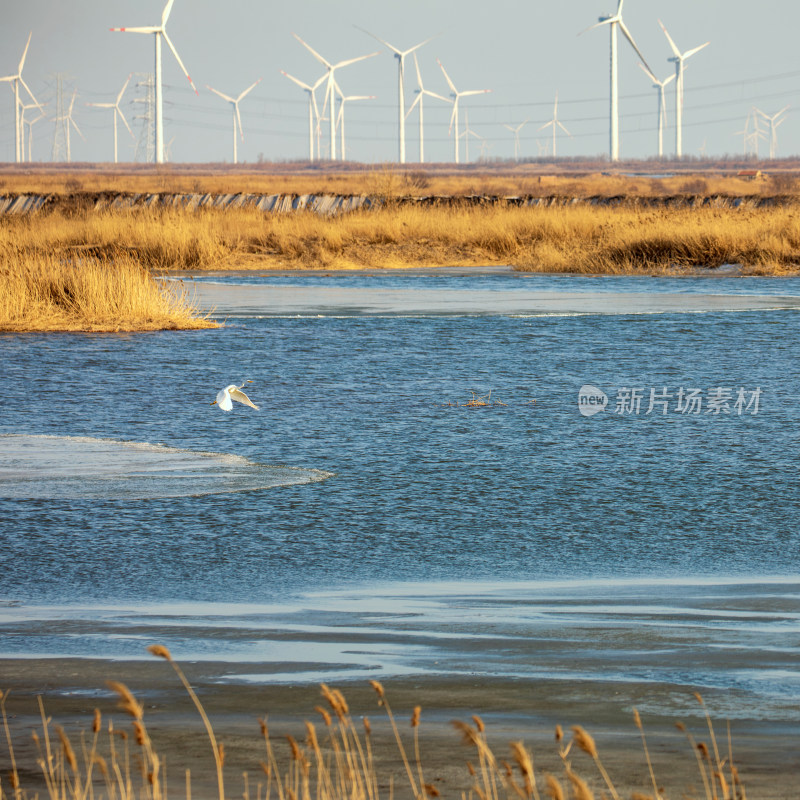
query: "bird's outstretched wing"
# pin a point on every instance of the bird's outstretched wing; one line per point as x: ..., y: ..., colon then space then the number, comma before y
x: 224, y: 400
x: 240, y: 397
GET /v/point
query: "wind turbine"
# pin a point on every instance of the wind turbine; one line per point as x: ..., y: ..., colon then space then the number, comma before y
x: 467, y: 133
x: 30, y: 123
x: 516, y: 131
x: 615, y: 21
x: 750, y: 138
x: 17, y: 79
x: 160, y: 31
x: 662, y: 106
x: 679, y: 58
x: 773, y: 128
x: 237, y: 117
x: 456, y: 95
x: 329, y: 90
x: 313, y: 110
x: 421, y: 92
x: 555, y: 124
x: 117, y: 111
x: 340, y: 118
x: 400, y: 55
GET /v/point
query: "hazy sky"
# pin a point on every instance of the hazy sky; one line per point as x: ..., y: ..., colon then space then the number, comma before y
x: 523, y: 51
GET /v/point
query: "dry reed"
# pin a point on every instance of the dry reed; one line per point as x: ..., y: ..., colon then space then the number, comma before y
x: 340, y: 765
x: 578, y: 239
x: 391, y: 181
x: 47, y: 293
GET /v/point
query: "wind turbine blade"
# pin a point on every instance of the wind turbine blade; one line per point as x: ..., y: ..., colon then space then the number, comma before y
x: 122, y: 91
x: 417, y: 46
x: 30, y: 93
x: 691, y: 52
x: 437, y: 96
x: 299, y: 82
x: 598, y: 24
x: 24, y: 53
x: 101, y: 105
x: 122, y: 117
x: 354, y: 60
x: 474, y: 91
x: 72, y: 103
x: 166, y: 12
x: 447, y: 78
x: 319, y: 82
x: 675, y: 51
x: 419, y: 75
x: 248, y: 89
x: 312, y: 51
x: 223, y: 96
x: 453, y: 115
x: 511, y: 128
x: 546, y: 125
x: 667, y: 80
x: 417, y: 99
x: 239, y: 120
x: 649, y: 74
x: 147, y: 29
x: 628, y: 36
x: 74, y: 125
x: 563, y: 128
x: 178, y: 59
x: 378, y: 38
x: 360, y: 97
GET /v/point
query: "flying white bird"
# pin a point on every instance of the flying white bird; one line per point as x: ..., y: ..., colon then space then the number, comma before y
x: 233, y: 392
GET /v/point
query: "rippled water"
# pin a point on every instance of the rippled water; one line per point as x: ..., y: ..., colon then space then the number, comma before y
x: 420, y: 491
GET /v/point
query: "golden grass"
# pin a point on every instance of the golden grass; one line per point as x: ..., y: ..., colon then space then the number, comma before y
x: 578, y: 238
x: 338, y: 763
x: 52, y: 293
x: 393, y: 180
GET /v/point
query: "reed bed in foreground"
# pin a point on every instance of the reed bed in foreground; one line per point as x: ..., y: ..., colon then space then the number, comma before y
x: 337, y: 759
x: 579, y: 239
x: 45, y: 292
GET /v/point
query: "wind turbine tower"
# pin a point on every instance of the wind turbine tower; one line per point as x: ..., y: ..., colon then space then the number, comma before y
x: 456, y: 95
x: 662, y: 106
x: 679, y: 58
x: 615, y: 21
x: 237, y: 117
x: 400, y: 55
x: 555, y: 124
x: 421, y: 92
x: 117, y: 111
x: 330, y: 92
x: 160, y: 32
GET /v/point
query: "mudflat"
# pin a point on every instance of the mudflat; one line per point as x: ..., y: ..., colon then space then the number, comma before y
x: 764, y: 751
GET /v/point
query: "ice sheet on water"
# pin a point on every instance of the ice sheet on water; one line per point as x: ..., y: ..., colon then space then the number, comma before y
x: 82, y: 467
